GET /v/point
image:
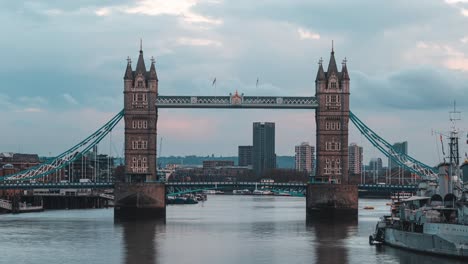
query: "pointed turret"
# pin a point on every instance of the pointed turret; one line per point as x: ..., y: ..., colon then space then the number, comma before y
x: 152, y: 72
x: 344, y: 71
x: 140, y: 68
x: 320, y: 72
x: 332, y: 64
x: 128, y: 72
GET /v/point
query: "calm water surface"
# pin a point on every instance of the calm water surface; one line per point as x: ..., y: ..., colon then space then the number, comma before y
x: 224, y: 229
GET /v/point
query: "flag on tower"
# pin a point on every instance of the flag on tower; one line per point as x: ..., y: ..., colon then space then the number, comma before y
x: 214, y: 82
x: 256, y: 85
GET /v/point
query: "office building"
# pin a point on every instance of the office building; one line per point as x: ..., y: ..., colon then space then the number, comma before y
x: 263, y: 149
x: 245, y: 156
x: 305, y: 157
x: 355, y: 159
x: 401, y: 147
x: 375, y: 164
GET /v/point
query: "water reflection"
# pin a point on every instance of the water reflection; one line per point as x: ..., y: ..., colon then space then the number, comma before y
x: 330, y: 236
x: 140, y: 240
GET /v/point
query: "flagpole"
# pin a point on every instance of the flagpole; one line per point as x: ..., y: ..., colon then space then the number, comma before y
x: 214, y: 84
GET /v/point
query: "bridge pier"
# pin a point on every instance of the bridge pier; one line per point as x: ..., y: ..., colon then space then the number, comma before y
x: 331, y: 201
x: 138, y: 201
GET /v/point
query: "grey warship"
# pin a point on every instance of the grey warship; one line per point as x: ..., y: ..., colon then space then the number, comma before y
x: 435, y: 220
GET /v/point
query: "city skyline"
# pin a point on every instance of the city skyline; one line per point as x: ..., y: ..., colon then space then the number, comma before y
x: 76, y: 83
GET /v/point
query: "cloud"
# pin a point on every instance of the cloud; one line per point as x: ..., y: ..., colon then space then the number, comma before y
x: 105, y: 11
x: 36, y: 100
x: 419, y: 88
x: 183, y: 9
x: 70, y: 99
x: 442, y: 54
x: 458, y: 63
x: 451, y: 2
x: 6, y: 102
x: 198, y: 42
x: 31, y: 110
x: 53, y: 12
x: 79, y: 47
x: 305, y: 34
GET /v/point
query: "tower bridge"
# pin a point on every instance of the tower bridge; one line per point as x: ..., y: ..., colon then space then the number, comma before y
x: 139, y: 195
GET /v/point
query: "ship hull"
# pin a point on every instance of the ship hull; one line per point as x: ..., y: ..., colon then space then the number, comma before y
x: 445, y: 245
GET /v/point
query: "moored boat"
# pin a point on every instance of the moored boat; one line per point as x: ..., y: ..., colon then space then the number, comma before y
x: 436, y: 219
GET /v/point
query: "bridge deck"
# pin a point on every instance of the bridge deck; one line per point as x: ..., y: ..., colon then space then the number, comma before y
x: 237, y: 101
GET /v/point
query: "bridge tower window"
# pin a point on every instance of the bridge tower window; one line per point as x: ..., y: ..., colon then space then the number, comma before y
x: 140, y: 84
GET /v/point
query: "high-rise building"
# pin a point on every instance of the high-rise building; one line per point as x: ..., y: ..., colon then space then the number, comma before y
x: 355, y: 158
x: 401, y: 147
x: 245, y: 156
x: 305, y: 157
x: 375, y: 165
x: 263, y: 149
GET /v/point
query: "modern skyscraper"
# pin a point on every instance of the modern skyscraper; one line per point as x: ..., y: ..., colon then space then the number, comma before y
x: 263, y: 149
x: 245, y: 156
x: 355, y: 158
x: 305, y: 157
x: 401, y: 147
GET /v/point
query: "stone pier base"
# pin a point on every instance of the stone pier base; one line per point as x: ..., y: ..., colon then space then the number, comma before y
x: 335, y: 201
x: 138, y: 201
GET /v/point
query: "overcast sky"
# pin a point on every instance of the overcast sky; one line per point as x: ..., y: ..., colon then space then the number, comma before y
x: 63, y: 64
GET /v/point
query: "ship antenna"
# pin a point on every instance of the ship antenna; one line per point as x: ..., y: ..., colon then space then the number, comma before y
x: 454, y: 151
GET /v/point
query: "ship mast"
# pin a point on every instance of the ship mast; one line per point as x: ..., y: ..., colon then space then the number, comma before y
x: 453, y: 146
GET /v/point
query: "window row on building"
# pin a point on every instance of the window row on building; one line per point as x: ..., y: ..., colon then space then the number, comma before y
x: 332, y: 125
x: 332, y: 166
x: 140, y: 144
x: 139, y: 124
x: 139, y: 164
x: 332, y: 145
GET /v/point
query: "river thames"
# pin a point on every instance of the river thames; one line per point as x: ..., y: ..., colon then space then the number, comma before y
x: 224, y: 229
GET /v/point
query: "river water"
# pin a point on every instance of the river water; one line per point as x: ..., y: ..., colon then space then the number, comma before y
x: 224, y: 229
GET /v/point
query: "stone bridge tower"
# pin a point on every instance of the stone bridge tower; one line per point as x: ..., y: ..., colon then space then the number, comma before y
x: 138, y: 195
x: 329, y: 194
x: 140, y: 92
x: 332, y: 118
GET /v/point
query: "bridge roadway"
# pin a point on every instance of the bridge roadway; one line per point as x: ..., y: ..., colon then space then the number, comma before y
x: 107, y: 185
x: 237, y: 101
